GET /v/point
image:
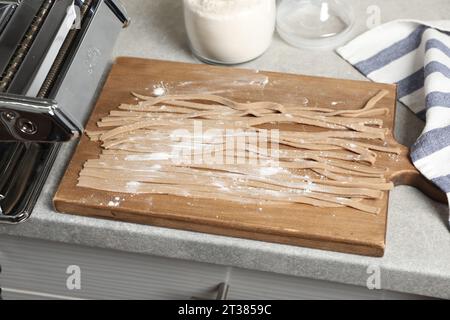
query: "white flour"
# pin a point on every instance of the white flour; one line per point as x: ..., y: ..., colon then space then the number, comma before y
x: 230, y: 31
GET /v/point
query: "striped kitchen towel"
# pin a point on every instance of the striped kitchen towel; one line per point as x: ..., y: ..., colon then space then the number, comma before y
x: 416, y: 56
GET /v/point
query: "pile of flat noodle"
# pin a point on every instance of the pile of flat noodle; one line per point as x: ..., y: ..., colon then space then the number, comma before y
x: 329, y: 168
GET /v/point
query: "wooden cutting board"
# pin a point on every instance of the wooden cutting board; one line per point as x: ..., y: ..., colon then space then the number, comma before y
x: 340, y: 229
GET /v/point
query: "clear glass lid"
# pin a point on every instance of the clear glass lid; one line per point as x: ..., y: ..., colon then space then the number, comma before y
x: 315, y: 24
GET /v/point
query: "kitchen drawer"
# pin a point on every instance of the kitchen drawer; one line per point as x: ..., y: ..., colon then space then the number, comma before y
x: 246, y: 284
x: 34, y: 269
x: 41, y: 267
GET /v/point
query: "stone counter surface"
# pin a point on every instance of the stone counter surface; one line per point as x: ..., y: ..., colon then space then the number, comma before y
x: 417, y: 258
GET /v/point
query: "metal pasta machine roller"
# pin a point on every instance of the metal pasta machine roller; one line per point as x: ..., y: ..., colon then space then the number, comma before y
x: 54, y: 55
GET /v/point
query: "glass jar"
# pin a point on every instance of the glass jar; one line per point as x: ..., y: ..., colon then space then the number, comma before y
x: 229, y: 31
x: 315, y: 24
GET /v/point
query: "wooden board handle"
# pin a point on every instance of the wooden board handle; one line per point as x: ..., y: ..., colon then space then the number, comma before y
x: 405, y: 173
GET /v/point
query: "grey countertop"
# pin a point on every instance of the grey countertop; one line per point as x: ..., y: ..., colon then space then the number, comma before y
x: 417, y: 258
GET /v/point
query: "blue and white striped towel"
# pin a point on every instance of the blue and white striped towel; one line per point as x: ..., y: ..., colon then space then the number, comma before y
x: 416, y: 56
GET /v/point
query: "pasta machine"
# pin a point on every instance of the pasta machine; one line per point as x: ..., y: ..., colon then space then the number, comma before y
x: 54, y: 55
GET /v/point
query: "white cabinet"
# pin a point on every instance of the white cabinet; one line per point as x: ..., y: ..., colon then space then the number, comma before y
x: 34, y: 269
x: 47, y: 267
x: 247, y: 284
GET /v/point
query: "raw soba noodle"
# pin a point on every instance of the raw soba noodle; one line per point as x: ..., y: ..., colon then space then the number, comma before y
x: 330, y: 168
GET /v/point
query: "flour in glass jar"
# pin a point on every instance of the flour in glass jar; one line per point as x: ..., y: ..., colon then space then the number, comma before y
x: 229, y: 31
